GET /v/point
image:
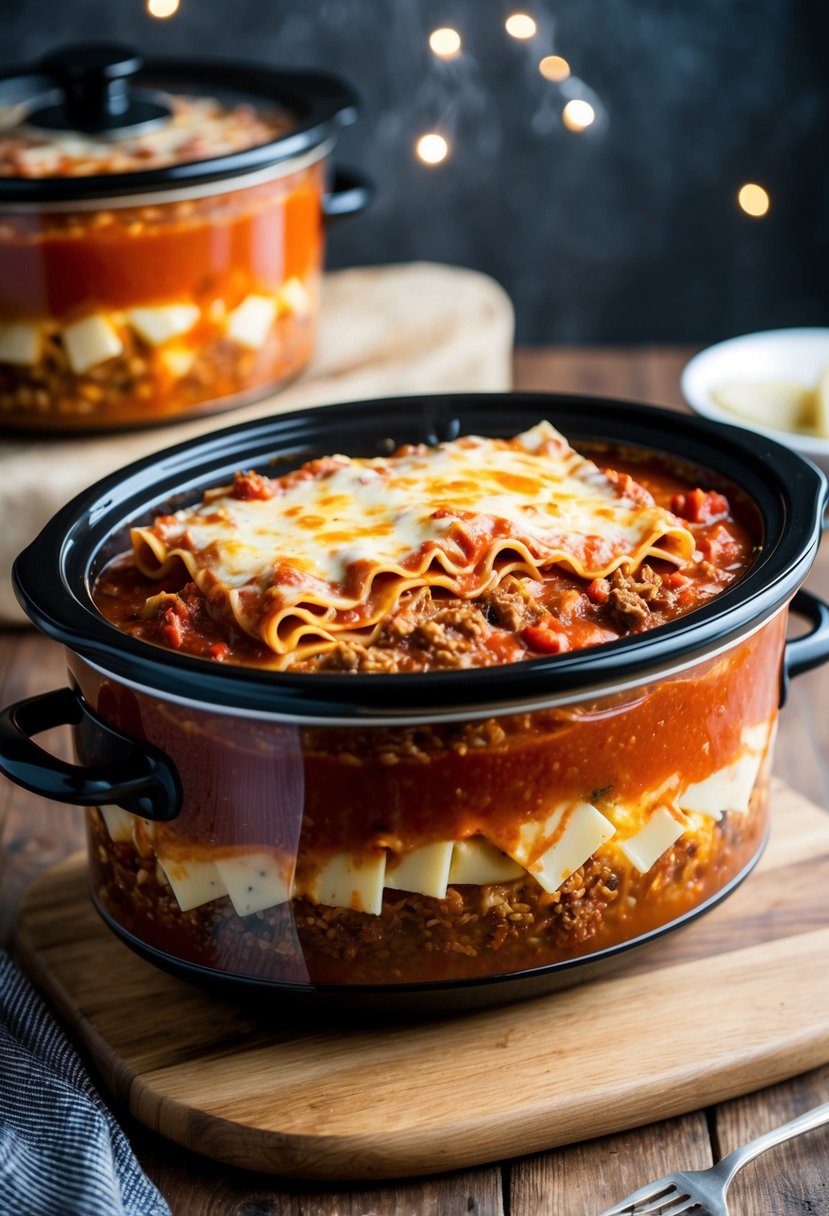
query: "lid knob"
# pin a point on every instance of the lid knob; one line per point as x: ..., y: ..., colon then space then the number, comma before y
x: 97, y: 97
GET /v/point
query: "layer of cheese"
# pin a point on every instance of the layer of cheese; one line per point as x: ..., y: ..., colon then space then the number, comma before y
x: 250, y: 323
x: 349, y: 881
x: 21, y: 343
x: 479, y: 863
x: 730, y: 788
x: 98, y: 337
x: 193, y: 883
x: 305, y: 566
x: 198, y: 128
x: 425, y: 870
x: 554, y: 849
x: 91, y: 341
x: 645, y: 847
x: 160, y: 323
x: 254, y: 881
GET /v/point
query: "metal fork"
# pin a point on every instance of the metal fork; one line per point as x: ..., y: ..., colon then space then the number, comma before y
x: 702, y: 1192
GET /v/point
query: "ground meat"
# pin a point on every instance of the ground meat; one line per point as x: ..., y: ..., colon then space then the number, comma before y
x: 453, y: 635
x: 412, y: 610
x: 425, y: 633
x: 633, y: 596
x: 507, y: 605
x: 351, y: 656
x: 433, y: 631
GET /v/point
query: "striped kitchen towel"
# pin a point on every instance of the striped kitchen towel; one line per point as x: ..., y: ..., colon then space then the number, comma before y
x: 61, y: 1151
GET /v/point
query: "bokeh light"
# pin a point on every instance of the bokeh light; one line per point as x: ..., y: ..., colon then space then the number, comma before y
x: 432, y: 148
x: 578, y: 114
x: 753, y: 199
x: 553, y: 67
x: 520, y: 25
x: 162, y: 8
x: 445, y: 42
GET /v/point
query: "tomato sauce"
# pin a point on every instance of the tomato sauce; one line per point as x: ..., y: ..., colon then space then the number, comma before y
x: 222, y: 248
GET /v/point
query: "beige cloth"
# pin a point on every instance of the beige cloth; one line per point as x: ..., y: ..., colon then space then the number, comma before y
x: 384, y: 331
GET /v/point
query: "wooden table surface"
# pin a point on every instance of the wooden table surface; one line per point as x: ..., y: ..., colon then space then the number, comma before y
x: 576, y: 1181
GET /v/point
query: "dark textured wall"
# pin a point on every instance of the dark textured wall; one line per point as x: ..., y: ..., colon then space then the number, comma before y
x: 629, y: 234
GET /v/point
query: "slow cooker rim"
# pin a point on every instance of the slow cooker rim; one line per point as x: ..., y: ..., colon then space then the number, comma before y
x: 78, y: 534
x: 177, y: 192
x: 456, y: 713
x: 323, y: 101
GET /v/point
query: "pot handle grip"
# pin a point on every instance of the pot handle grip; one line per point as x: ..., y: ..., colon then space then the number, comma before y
x: 812, y: 648
x: 141, y: 779
x: 350, y: 193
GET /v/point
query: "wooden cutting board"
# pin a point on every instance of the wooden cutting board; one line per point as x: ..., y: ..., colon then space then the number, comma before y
x: 736, y: 1001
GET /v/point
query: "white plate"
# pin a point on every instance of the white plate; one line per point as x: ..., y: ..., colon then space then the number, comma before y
x: 775, y: 354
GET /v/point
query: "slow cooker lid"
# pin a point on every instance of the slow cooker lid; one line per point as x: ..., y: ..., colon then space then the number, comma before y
x: 53, y: 576
x: 81, y: 101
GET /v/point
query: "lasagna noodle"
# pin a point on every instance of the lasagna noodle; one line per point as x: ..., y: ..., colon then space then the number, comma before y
x: 329, y: 555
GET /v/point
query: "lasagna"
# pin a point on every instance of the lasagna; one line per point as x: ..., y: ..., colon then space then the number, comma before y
x: 520, y: 546
x: 145, y: 307
x: 375, y: 853
x: 198, y: 128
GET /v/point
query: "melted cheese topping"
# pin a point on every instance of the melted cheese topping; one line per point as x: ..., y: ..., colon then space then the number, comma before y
x: 328, y: 556
x: 199, y: 127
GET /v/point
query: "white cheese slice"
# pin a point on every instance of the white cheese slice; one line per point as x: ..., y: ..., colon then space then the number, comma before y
x: 162, y: 322
x: 785, y: 405
x: 584, y: 830
x: 250, y: 323
x: 20, y: 343
x: 729, y: 789
x: 177, y: 360
x: 254, y: 881
x: 90, y: 342
x: 479, y: 863
x: 661, y: 831
x: 348, y: 881
x: 424, y: 870
x: 294, y: 298
x: 119, y: 823
x: 194, y: 882
x: 755, y: 737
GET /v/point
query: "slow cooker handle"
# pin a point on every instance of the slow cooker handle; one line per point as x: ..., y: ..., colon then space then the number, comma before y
x: 349, y: 193
x: 142, y: 780
x: 812, y: 649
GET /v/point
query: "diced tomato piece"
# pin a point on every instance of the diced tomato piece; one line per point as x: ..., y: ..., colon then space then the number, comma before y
x: 629, y: 488
x: 218, y: 651
x: 172, y: 631
x: 545, y: 639
x: 598, y: 592
x: 720, y: 547
x: 675, y: 580
x: 700, y: 506
x: 253, y: 485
